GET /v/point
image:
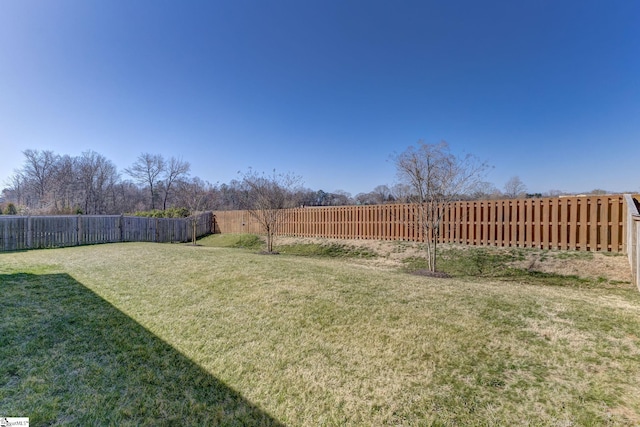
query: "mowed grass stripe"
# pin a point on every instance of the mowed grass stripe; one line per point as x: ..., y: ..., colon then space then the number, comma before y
x: 308, y: 341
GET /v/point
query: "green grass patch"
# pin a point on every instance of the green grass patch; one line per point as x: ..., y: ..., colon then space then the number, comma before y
x: 330, y: 250
x: 565, y: 255
x: 255, y: 242
x: 238, y: 241
x: 69, y: 357
x: 468, y: 262
x: 159, y: 334
x: 497, y: 263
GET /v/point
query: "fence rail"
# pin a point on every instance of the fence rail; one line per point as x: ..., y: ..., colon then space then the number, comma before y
x: 593, y: 223
x: 37, y: 232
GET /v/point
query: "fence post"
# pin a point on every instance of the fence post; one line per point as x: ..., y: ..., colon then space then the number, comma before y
x: 632, y: 244
x: 78, y: 242
x: 636, y: 269
x: 29, y: 232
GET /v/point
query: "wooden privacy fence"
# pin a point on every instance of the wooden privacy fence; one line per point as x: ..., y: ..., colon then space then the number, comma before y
x: 36, y: 232
x: 591, y: 223
x: 633, y: 238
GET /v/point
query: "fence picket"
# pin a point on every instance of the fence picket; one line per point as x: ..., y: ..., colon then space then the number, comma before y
x: 35, y: 232
x: 592, y: 223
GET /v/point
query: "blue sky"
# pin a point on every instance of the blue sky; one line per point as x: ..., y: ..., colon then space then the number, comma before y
x: 545, y: 90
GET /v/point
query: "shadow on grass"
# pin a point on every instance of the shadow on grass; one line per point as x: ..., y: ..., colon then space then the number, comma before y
x: 68, y: 357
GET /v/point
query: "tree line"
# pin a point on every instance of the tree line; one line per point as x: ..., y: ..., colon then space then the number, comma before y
x: 49, y: 183
x: 429, y: 175
x: 52, y: 184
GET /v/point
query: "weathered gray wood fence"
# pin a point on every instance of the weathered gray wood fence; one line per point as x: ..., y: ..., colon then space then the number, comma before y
x: 633, y: 238
x: 38, y: 232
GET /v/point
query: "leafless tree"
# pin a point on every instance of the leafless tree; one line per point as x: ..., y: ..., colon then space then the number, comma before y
x: 38, y: 171
x: 96, y: 176
x: 128, y: 197
x: 401, y: 192
x: 65, y: 185
x: 268, y: 197
x: 341, y: 198
x: 436, y: 178
x: 195, y: 194
x: 175, y: 170
x: 147, y: 170
x: 515, y: 188
x: 322, y: 198
x: 16, y: 190
x: 485, y: 191
x: 379, y: 195
x: 367, y: 198
x: 231, y: 195
x: 554, y: 193
x: 598, y: 192
x: 382, y: 194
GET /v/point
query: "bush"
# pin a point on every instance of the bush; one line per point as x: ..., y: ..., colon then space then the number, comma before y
x: 11, y: 209
x: 168, y: 213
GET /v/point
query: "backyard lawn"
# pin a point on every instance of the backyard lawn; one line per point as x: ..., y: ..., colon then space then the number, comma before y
x: 159, y: 334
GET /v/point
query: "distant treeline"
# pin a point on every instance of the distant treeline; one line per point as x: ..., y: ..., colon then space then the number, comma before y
x: 49, y: 183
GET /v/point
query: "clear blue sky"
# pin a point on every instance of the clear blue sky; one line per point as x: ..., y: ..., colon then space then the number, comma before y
x: 545, y: 90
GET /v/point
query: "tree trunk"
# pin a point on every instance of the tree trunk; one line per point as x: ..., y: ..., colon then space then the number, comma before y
x: 435, y: 244
x: 153, y: 205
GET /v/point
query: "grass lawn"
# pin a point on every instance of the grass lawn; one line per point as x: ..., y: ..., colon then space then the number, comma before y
x: 159, y: 334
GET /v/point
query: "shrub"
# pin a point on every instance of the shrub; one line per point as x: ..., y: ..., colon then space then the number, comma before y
x: 11, y: 209
x: 168, y: 213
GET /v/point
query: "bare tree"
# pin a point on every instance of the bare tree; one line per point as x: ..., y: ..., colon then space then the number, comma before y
x: 38, y: 171
x: 598, y: 192
x: 97, y: 176
x: 515, y: 188
x: 268, y: 197
x: 147, y: 171
x: 16, y: 190
x: 485, y: 191
x: 367, y: 198
x: 195, y: 194
x: 379, y: 195
x: 383, y: 194
x: 401, y: 192
x: 231, y: 196
x: 175, y: 169
x: 436, y: 177
x: 65, y: 185
x: 341, y: 198
x: 554, y: 193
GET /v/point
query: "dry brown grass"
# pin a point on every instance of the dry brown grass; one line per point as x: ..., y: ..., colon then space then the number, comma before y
x: 590, y: 265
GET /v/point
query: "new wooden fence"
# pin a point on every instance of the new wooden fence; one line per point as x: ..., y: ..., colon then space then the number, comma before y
x: 593, y: 223
x: 36, y: 232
